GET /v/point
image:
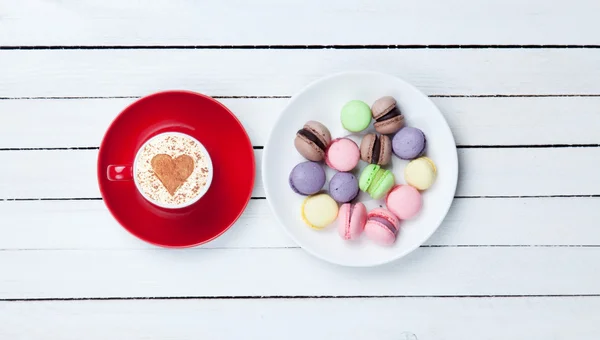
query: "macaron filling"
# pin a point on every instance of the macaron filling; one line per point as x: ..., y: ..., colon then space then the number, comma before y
x: 383, y: 221
x: 376, y: 150
x: 367, y: 176
x: 312, y: 137
x: 391, y: 114
x: 377, y: 180
x: 347, y: 234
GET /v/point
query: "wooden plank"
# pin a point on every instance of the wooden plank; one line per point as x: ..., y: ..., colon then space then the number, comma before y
x: 470, y: 222
x: 225, y: 72
x: 113, y: 22
x: 50, y: 174
x: 474, y: 121
x: 284, y: 272
x: 483, y: 172
x: 426, y: 318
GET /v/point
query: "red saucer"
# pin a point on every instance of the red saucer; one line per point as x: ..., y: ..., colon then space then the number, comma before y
x: 224, y: 138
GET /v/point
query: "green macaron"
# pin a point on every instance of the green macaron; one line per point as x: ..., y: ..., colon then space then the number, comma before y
x: 375, y: 181
x: 356, y: 116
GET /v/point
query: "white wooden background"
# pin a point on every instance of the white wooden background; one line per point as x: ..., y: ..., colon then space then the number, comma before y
x: 516, y: 258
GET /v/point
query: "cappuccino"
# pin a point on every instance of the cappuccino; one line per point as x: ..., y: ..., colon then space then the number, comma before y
x: 172, y: 170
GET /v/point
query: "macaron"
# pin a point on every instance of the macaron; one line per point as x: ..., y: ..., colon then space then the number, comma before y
x: 356, y: 116
x: 420, y: 173
x: 376, y: 181
x: 404, y: 201
x: 376, y: 149
x: 387, y: 115
x: 307, y: 178
x: 382, y: 226
x: 319, y: 211
x: 342, y: 154
x: 409, y: 143
x: 343, y: 187
x: 351, y: 220
x: 312, y: 140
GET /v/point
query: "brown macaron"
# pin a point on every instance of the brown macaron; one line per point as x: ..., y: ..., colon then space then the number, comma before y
x: 312, y: 140
x: 388, y: 118
x: 376, y: 149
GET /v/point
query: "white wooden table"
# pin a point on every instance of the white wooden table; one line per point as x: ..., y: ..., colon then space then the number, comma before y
x: 518, y: 256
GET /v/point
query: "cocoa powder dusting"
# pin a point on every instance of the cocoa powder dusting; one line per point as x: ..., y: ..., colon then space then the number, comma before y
x: 172, y: 169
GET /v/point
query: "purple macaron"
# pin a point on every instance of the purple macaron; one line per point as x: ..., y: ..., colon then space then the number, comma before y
x: 307, y: 178
x: 409, y: 143
x: 343, y: 187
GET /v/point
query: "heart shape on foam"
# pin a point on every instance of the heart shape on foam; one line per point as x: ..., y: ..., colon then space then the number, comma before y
x: 172, y: 172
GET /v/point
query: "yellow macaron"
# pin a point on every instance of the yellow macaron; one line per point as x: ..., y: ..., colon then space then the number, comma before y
x: 420, y: 173
x: 319, y: 211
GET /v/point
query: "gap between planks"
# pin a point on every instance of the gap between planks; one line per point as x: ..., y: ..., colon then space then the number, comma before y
x: 28, y: 199
x: 260, y: 147
x: 301, y: 47
x: 498, y: 95
x: 298, y: 247
x: 292, y: 297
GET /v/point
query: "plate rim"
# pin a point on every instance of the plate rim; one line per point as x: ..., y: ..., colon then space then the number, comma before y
x: 291, y: 101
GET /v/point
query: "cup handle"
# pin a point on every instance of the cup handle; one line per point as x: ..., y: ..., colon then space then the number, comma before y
x: 119, y: 172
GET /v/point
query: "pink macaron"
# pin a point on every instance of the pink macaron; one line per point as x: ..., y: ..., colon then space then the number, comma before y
x: 342, y: 155
x: 404, y: 201
x: 382, y: 226
x: 351, y: 220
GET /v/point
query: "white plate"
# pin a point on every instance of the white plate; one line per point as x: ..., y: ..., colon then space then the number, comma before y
x: 322, y: 101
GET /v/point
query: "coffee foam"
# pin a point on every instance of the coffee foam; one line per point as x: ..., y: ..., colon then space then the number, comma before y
x: 173, y: 145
